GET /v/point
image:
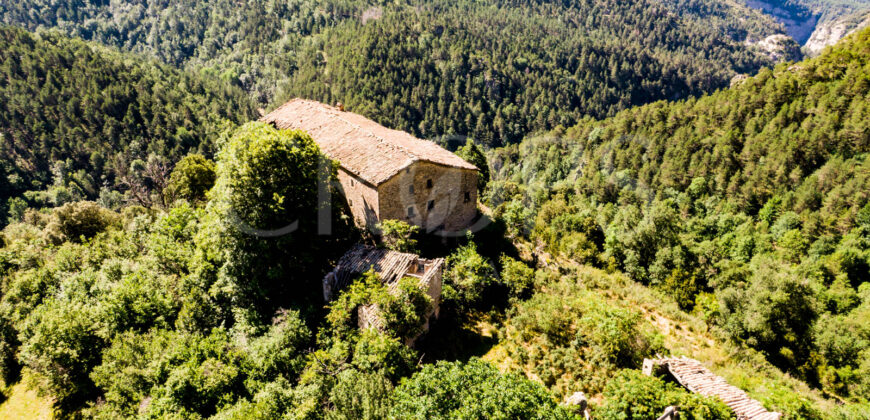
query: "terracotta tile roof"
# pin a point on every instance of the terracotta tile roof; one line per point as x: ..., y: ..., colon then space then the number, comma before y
x: 698, y: 379
x: 369, y: 150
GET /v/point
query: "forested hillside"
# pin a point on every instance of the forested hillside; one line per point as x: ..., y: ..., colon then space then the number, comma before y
x: 498, y: 73
x: 748, y: 206
x: 79, y: 121
x: 183, y: 313
x: 496, y: 70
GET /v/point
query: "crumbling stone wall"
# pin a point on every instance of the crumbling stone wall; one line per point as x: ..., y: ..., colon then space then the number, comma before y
x: 431, y: 196
x: 432, y: 282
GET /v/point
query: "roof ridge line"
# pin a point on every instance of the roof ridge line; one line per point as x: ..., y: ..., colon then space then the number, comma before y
x: 334, y: 113
x: 380, y: 139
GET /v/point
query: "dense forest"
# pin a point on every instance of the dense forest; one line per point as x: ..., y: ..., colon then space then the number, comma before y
x: 749, y: 206
x: 498, y: 73
x: 78, y: 121
x: 433, y: 68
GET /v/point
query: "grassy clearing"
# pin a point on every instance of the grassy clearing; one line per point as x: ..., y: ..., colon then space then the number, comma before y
x: 23, y: 402
x: 684, y: 335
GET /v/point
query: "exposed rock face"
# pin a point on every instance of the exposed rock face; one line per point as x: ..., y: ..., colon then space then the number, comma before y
x: 738, y: 79
x: 781, y: 48
x: 829, y: 33
x: 816, y: 25
x: 799, y: 22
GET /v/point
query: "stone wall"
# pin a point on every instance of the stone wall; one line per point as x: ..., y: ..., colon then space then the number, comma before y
x: 433, y: 283
x: 362, y: 198
x: 450, y: 192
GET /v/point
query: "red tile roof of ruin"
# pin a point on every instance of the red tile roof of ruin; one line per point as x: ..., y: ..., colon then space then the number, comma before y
x: 369, y: 150
x: 698, y: 379
x: 390, y: 265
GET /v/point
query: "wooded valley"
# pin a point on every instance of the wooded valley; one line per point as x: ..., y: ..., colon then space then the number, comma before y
x: 652, y: 183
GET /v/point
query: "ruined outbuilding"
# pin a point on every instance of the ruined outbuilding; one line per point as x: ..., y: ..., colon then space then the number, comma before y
x: 385, y: 173
x: 693, y: 376
x: 390, y: 266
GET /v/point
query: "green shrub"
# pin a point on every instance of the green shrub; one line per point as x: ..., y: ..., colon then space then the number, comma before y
x: 260, y: 235
x: 682, y: 286
x: 474, y: 155
x: 404, y: 310
x: 192, y: 177
x: 16, y: 207
x: 775, y: 313
x: 632, y: 395
x: 60, y: 343
x: 466, y: 275
x: 578, y: 247
x: 360, y: 395
x: 451, y: 390
x: 614, y: 334
x: 280, y: 351
x: 77, y: 221
x: 574, y: 339
x: 517, y: 276
x: 398, y: 235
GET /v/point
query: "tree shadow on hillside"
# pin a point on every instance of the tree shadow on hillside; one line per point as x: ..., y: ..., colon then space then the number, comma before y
x: 454, y: 338
x: 491, y: 240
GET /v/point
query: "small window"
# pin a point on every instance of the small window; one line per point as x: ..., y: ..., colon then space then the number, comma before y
x: 350, y: 202
x: 467, y: 196
x: 410, y: 212
x: 431, y: 205
x: 428, y: 183
x: 411, y: 189
x: 351, y: 182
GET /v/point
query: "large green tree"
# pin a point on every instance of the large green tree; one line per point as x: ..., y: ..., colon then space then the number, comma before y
x: 273, y: 221
x: 476, y: 389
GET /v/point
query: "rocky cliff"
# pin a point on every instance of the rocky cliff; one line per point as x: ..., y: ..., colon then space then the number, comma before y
x: 815, y: 24
x: 828, y: 33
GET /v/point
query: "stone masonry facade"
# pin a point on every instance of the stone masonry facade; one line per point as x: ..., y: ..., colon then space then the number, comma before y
x: 434, y: 197
x: 361, y: 196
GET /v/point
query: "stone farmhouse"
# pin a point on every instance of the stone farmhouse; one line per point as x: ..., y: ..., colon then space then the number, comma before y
x: 385, y: 173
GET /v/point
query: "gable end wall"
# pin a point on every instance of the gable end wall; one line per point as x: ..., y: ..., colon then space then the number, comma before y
x: 449, y: 186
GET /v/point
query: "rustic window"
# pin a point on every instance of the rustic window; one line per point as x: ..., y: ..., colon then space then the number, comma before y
x: 350, y: 202
x: 467, y: 196
x: 410, y: 212
x: 411, y: 189
x: 351, y: 182
x: 428, y: 183
x: 431, y: 205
